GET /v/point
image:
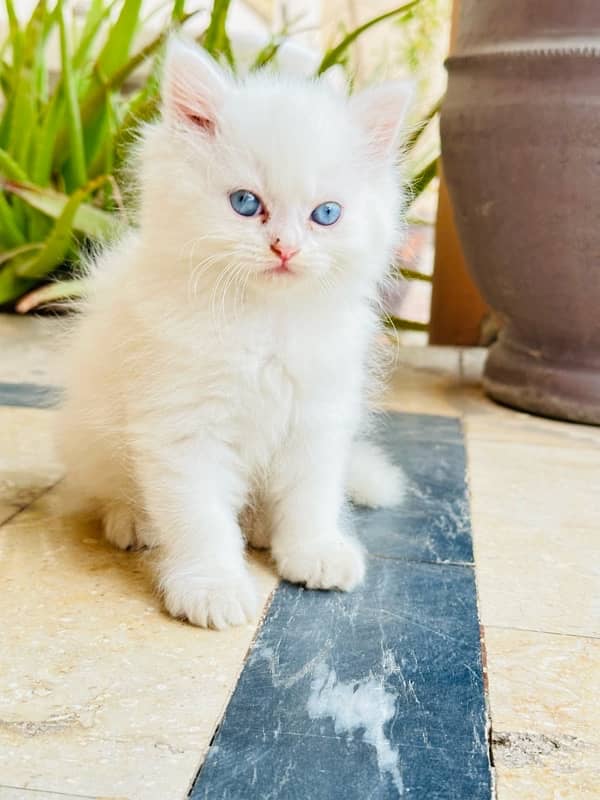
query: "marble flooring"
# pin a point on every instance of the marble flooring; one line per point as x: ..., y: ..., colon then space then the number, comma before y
x: 103, y: 696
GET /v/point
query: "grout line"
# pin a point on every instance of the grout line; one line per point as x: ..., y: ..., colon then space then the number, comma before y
x: 58, y: 794
x: 28, y: 505
x: 592, y: 637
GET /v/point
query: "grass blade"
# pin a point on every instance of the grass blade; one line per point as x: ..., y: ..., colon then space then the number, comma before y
x: 334, y: 56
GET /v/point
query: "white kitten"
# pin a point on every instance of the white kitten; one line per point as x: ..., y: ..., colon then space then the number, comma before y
x: 221, y: 358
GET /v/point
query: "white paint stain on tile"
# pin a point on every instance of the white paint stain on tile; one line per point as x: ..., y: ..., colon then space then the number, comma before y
x: 357, y: 705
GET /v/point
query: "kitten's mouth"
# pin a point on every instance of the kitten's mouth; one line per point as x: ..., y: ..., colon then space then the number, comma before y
x: 280, y: 269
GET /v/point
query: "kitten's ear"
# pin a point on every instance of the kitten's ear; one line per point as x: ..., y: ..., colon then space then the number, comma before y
x: 193, y: 86
x: 381, y: 111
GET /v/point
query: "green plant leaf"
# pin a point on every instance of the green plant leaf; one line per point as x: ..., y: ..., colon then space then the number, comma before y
x: 59, y: 241
x: 420, y: 181
x: 118, y: 43
x: 404, y: 324
x: 88, y: 219
x: 12, y: 287
x: 421, y: 126
x: 16, y: 34
x: 23, y: 249
x: 52, y: 293
x: 215, y: 39
x: 97, y: 15
x: 335, y: 54
x: 45, y: 138
x: 178, y: 12
x: 268, y: 52
x: 74, y: 127
x: 9, y: 167
x: 94, y: 100
x: 414, y: 275
x: 10, y: 231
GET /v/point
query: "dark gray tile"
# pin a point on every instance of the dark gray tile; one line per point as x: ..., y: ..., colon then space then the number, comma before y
x: 433, y: 523
x: 375, y: 694
x: 29, y: 395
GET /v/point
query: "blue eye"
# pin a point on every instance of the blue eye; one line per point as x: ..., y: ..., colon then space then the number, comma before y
x: 326, y: 213
x: 245, y: 203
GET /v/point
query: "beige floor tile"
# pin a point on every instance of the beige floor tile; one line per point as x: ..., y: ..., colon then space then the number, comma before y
x: 103, y: 694
x: 424, y: 381
x: 535, y: 532
x: 543, y: 783
x: 535, y: 484
x: 28, y: 464
x: 537, y: 578
x: 544, y: 693
x: 489, y: 421
x: 29, y: 347
x: 545, y: 684
x: 20, y: 793
x: 8, y: 510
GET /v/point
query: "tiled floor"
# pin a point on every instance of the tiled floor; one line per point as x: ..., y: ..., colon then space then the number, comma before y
x: 82, y: 688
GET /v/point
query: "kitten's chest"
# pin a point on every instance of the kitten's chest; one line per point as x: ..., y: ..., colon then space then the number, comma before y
x: 266, y: 406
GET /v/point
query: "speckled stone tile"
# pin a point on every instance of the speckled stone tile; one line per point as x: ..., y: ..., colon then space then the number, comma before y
x: 378, y: 693
x: 103, y: 694
x: 544, y: 693
x: 28, y: 348
x: 432, y: 524
x: 375, y: 694
x: 16, y: 793
x: 28, y: 465
x: 29, y: 395
x: 543, y: 783
x: 535, y: 535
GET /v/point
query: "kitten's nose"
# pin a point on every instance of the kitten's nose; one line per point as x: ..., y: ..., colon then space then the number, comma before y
x: 284, y: 253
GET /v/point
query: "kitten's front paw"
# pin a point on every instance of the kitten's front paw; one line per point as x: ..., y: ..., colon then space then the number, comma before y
x: 216, y: 601
x: 337, y: 563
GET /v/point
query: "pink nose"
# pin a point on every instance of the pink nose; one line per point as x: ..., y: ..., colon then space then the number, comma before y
x: 284, y: 253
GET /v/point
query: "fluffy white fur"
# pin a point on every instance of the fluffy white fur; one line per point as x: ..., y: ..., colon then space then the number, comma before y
x: 200, y: 384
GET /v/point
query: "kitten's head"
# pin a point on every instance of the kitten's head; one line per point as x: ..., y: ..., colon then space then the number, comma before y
x: 275, y: 181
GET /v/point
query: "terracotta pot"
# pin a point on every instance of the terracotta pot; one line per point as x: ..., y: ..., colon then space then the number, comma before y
x: 521, y: 152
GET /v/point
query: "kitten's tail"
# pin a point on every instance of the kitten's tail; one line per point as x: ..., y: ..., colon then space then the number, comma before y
x: 372, y: 480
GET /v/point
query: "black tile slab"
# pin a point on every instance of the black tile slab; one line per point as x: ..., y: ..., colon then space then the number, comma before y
x: 433, y: 523
x: 29, y: 395
x: 375, y: 694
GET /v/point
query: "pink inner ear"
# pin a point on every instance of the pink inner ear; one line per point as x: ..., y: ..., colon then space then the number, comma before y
x: 193, y: 111
x: 200, y: 121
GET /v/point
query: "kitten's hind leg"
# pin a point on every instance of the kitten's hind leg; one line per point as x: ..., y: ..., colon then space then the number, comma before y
x: 372, y: 480
x: 255, y: 526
